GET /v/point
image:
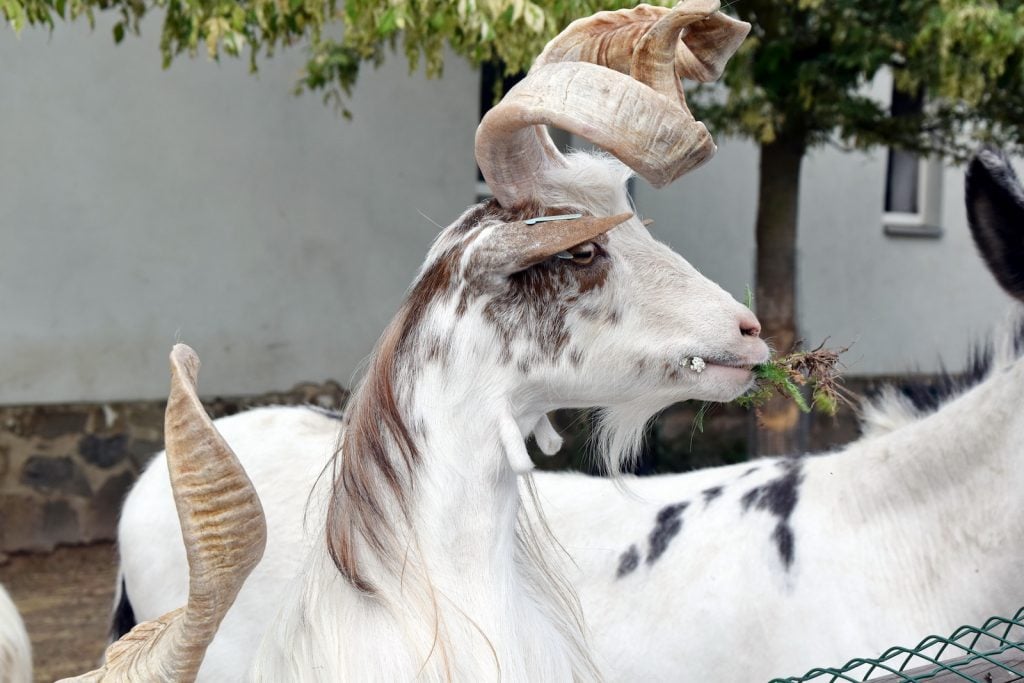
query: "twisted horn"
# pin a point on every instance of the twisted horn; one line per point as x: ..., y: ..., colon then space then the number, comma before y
x: 611, y: 79
x: 224, y: 530
x: 612, y: 39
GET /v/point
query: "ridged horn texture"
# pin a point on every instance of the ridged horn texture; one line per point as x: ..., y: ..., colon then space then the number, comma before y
x: 225, y: 532
x: 613, y: 79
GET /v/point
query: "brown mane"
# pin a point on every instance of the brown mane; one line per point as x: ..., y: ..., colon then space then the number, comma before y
x: 380, y: 454
x: 374, y: 478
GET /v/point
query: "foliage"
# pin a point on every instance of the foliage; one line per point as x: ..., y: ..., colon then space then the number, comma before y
x: 805, y: 70
x: 817, y: 369
x: 802, y: 72
x: 510, y: 31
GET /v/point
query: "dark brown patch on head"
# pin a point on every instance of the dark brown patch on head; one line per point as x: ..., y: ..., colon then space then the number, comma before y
x: 536, y: 302
x: 437, y: 282
x: 437, y: 349
x: 474, y: 217
x: 376, y: 475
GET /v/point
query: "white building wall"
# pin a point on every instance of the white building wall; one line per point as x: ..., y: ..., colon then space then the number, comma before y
x: 139, y: 206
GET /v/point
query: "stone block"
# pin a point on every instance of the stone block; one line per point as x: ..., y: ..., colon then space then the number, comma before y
x: 103, y: 451
x: 55, y: 475
x: 51, y: 424
x: 105, y: 506
x: 60, y: 524
x: 20, y: 521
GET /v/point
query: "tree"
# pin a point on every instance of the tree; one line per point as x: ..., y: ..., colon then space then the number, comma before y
x: 797, y: 83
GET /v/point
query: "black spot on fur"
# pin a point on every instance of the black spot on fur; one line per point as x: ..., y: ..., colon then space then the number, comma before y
x: 779, y: 497
x: 668, y: 523
x: 783, y: 537
x: 123, y: 619
x: 711, y: 493
x: 628, y: 561
x: 749, y: 472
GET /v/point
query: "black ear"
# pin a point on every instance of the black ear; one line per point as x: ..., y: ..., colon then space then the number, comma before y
x: 995, y: 212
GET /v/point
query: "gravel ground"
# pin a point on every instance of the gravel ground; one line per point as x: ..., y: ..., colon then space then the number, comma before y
x: 65, y: 599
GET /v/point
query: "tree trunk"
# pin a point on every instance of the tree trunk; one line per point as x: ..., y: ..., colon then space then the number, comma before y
x: 780, y: 429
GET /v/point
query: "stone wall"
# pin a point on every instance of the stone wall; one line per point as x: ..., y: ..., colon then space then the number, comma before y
x: 64, y: 469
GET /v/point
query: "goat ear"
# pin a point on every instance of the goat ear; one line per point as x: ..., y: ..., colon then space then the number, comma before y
x: 508, y: 248
x: 995, y: 212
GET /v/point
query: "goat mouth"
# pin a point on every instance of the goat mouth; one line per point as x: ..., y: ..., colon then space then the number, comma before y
x: 699, y: 363
x: 749, y: 367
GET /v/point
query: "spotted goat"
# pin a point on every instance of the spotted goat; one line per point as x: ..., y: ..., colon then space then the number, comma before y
x: 767, y: 569
x: 414, y: 556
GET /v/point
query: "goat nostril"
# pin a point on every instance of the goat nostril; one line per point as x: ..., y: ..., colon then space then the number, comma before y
x: 750, y: 327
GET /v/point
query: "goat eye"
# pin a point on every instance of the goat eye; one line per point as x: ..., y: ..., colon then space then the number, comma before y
x: 581, y: 254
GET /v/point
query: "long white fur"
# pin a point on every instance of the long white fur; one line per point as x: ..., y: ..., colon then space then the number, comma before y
x: 897, y: 536
x: 15, y: 649
x: 913, y: 531
x: 471, y: 601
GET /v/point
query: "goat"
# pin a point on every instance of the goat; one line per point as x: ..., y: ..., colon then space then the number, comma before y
x: 15, y: 649
x: 910, y: 530
x: 768, y: 568
x: 551, y: 295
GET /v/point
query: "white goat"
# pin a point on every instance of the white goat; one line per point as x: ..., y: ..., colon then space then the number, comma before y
x: 769, y: 568
x: 737, y: 573
x: 15, y: 649
x: 422, y: 565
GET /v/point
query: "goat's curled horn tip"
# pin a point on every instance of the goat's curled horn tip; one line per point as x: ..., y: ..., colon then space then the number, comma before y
x: 185, y: 361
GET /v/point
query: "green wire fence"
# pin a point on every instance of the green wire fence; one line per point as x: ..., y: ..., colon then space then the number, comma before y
x: 993, y: 653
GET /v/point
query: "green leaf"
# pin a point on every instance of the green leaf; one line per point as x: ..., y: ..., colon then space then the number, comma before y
x: 388, y: 22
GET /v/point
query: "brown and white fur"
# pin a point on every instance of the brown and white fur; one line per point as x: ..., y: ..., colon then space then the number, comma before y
x: 910, y: 530
x: 421, y: 564
x: 424, y: 541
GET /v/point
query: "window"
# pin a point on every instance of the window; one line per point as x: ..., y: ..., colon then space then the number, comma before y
x: 913, y: 184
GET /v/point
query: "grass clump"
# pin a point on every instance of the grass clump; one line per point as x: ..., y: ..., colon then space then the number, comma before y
x: 788, y: 375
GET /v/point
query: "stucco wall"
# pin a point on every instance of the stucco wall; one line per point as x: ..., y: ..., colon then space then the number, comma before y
x: 139, y: 206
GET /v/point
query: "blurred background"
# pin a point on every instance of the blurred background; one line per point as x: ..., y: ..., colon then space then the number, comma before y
x: 276, y: 233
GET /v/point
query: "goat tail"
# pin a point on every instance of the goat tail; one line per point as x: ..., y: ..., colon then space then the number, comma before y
x: 122, y: 618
